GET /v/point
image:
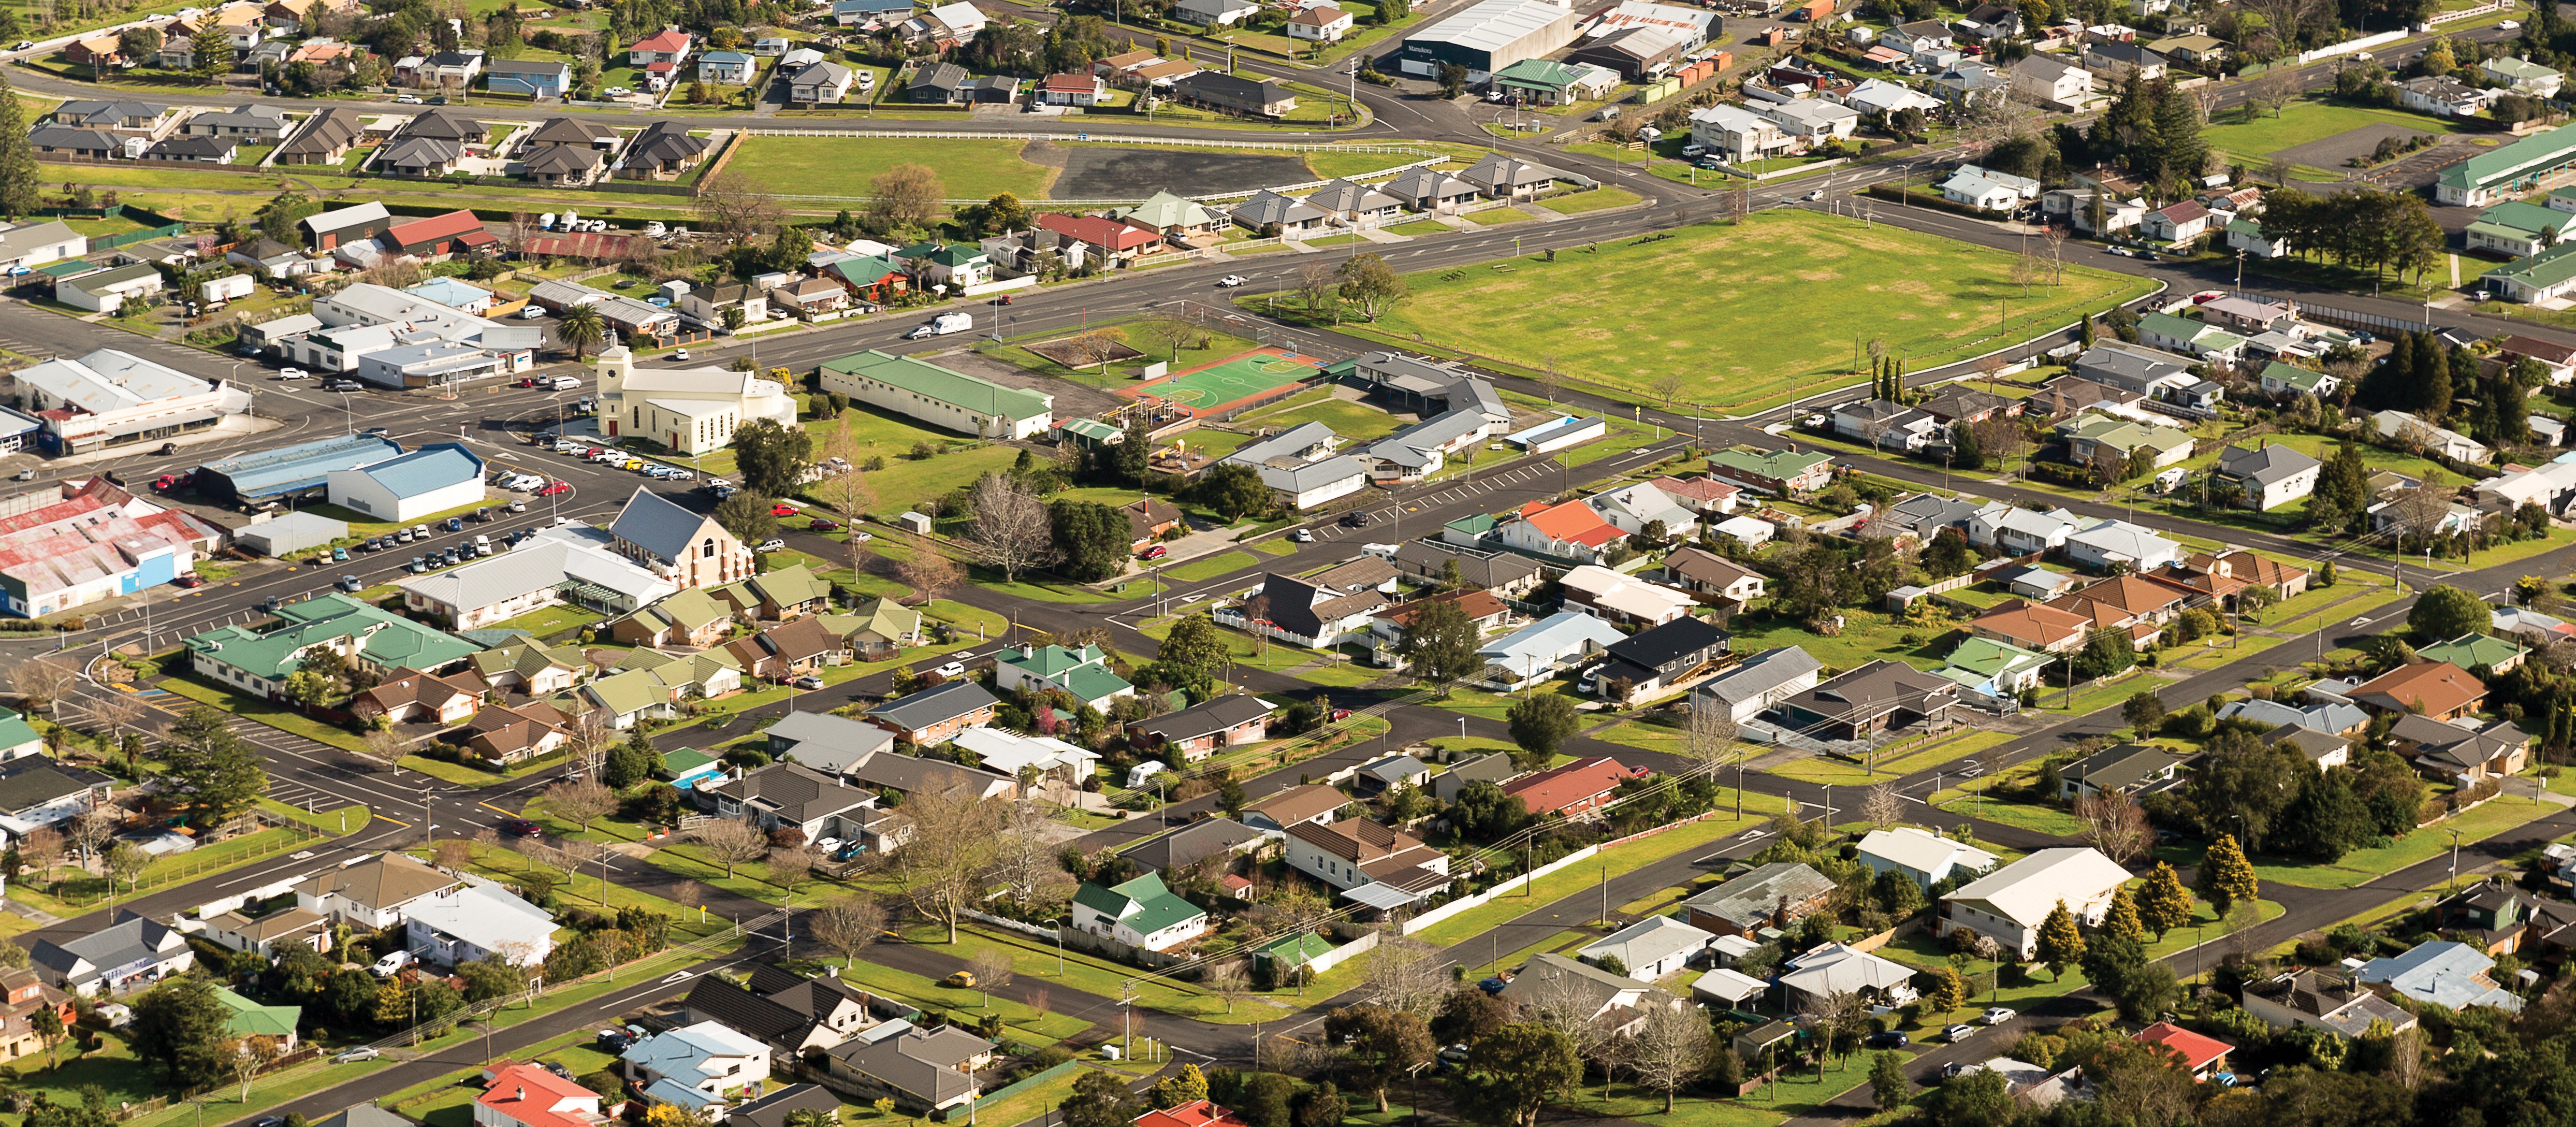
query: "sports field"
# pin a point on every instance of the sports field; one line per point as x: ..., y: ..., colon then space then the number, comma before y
x: 1231, y: 382
x: 1748, y: 315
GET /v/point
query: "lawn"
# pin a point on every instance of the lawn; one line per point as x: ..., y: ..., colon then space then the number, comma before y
x: 1421, y: 227
x: 2306, y: 121
x: 551, y: 622
x: 1209, y: 567
x: 1328, y: 165
x: 1799, y: 1092
x: 2032, y: 982
x: 1598, y: 199
x: 849, y: 166
x: 1619, y: 860
x: 1867, y: 636
x: 1764, y: 310
x: 1496, y: 216
x: 1353, y: 421
x: 2364, y: 865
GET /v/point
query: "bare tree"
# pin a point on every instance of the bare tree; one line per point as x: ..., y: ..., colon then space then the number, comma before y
x: 1671, y: 1050
x: 2115, y: 825
x: 90, y: 831
x: 455, y: 854
x: 1408, y: 975
x: 790, y: 867
x: 732, y: 204
x: 1709, y: 739
x: 1011, y: 525
x: 1167, y: 334
x: 1024, y: 857
x: 942, y: 865
x: 381, y: 749
x: 1561, y: 1004
x: 2420, y: 512
x: 42, y: 681
x: 992, y: 971
x: 1319, y: 286
x: 580, y: 802
x: 849, y: 490
x: 1667, y: 384
x: 588, y: 738
x: 1882, y: 808
x: 907, y: 195
x: 930, y: 573
x: 1227, y: 981
x: 1840, y: 1012
x: 734, y: 843
x: 848, y: 926
x: 114, y: 713
x: 1096, y: 346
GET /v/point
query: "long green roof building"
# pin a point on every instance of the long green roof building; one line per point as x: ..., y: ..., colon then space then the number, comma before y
x: 258, y: 661
x: 919, y: 389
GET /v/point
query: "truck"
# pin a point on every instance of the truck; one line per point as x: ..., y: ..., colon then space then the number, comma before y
x: 942, y: 325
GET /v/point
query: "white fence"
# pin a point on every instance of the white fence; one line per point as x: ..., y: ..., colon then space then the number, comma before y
x: 2351, y: 45
x: 1351, y: 950
x: 1478, y: 900
x: 1047, y: 933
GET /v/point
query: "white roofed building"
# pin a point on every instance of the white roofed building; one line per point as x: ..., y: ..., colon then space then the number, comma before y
x: 2010, y: 903
x: 690, y: 411
x: 567, y: 563
x: 112, y: 398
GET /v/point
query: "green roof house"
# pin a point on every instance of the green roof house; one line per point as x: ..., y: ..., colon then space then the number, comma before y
x: 627, y: 698
x: 1776, y: 471
x: 2470, y: 651
x: 2517, y: 229
x: 791, y: 592
x: 2188, y: 336
x: 1140, y: 913
x: 1553, y: 83
x: 1084, y: 673
x: 1994, y: 668
x: 1169, y: 214
x: 18, y: 738
x: 2548, y: 274
x: 687, y: 617
x: 2279, y: 377
x: 257, y: 661
x: 1291, y: 951
x: 878, y: 629
x: 922, y: 390
x: 250, y: 1019
x: 954, y: 265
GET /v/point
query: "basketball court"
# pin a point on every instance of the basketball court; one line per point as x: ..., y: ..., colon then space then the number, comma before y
x: 1230, y: 383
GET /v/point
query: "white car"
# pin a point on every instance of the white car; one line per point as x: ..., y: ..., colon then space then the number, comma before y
x: 385, y: 967
x: 829, y: 845
x: 1305, y: 536
x: 682, y: 475
x: 362, y: 1052
x: 771, y: 546
x: 1813, y: 196
x: 2509, y: 25
x: 407, y: 100
x: 1997, y: 1015
x: 532, y: 313
x: 679, y: 354
x: 1230, y: 281
x: 918, y: 332
x: 952, y: 670
x: 617, y: 91
x: 292, y: 373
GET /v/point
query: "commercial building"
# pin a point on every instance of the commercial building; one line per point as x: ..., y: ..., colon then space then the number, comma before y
x: 112, y: 398
x: 2539, y: 161
x: 256, y: 662
x: 691, y: 411
x: 89, y: 540
x: 301, y: 470
x: 939, y: 396
x: 410, y: 487
x: 1488, y: 37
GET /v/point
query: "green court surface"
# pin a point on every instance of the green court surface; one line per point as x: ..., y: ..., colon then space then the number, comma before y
x: 1241, y: 379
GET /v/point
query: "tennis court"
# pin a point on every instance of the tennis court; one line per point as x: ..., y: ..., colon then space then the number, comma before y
x: 1230, y: 383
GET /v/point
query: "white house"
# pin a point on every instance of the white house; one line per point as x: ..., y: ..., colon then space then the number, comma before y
x: 699, y: 1067
x: 1541, y: 649
x: 477, y: 922
x: 104, y: 291
x: 2431, y: 439
x: 1140, y: 913
x: 1301, y: 467
x: 1623, y: 598
x: 2269, y: 476
x: 2020, y: 532
x: 1927, y: 857
x: 1083, y: 673
x: 1650, y: 948
x: 2110, y: 541
x: 432, y: 479
x: 1760, y: 681
x: 1988, y: 190
x: 2010, y: 903
x: 689, y: 411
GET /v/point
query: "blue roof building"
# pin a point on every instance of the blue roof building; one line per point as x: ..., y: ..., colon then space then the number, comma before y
x: 453, y: 293
x: 299, y: 469
x: 2444, y: 973
x: 1539, y: 650
x: 431, y: 480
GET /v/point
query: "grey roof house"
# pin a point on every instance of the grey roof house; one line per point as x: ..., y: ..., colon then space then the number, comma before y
x: 127, y: 955
x: 1218, y: 837
x: 1255, y: 97
x: 1268, y: 210
x: 1493, y: 768
x: 1773, y: 895
x: 920, y: 1068
x: 824, y: 742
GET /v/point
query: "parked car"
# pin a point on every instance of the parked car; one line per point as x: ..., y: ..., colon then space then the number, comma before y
x: 953, y: 670
x: 1155, y: 552
x: 521, y: 827
x: 964, y: 979
x: 1231, y: 280
x: 385, y: 967
x: 557, y: 487
x: 770, y: 546
x: 810, y: 681
x: 190, y: 580
x: 1888, y: 1039
x: 1997, y: 1015
x: 351, y: 584
x: 352, y: 1056
x: 1304, y: 536
x: 292, y: 373
x: 1958, y: 1033
x: 782, y: 509
x: 818, y: 524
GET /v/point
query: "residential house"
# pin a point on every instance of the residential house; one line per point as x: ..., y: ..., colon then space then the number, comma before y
x: 1987, y: 190
x: 2021, y: 532
x: 2326, y: 1000
x: 1495, y: 768
x: 926, y: 1070
x: 534, y: 78
x: 1577, y: 790
x: 1704, y: 572
x: 1572, y: 530
x: 1879, y: 697
x: 1657, y: 659
x: 2115, y: 61
x: 1615, y: 1003
x: 2417, y: 434
x: 2443, y: 973
x: 1993, y: 669
x: 1320, y: 23
x: 2010, y: 903
x: 1140, y: 913
x: 1203, y: 729
x: 1784, y: 473
x: 2438, y: 690
x: 790, y: 1012
x: 1542, y: 649
x: 1618, y: 598
x: 792, y: 796
x: 2203, y: 1057
x: 1921, y: 854
x: 1770, y: 896
x: 2459, y: 752
x: 1650, y: 948
x: 130, y: 953
x: 1353, y: 854
x: 409, y: 696
x: 935, y: 715
x: 508, y: 734
x: 2046, y: 78
x: 1507, y: 178
x: 1219, y: 838
x: 1836, y: 969
x: 701, y: 1068
x: 1295, y: 806
x: 372, y: 893
x: 1759, y: 682
x: 2124, y: 769
x: 2110, y: 542
x: 1232, y: 94
x: 524, y: 1095
x: 2522, y: 76
x: 1889, y: 425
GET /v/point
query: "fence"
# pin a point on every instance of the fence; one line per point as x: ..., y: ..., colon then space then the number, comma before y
x: 1478, y: 900
x: 2351, y: 45
x: 1008, y: 924
x: 1344, y: 953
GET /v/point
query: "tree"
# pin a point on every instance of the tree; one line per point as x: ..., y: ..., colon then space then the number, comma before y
x: 217, y: 773
x: 1189, y: 1085
x: 1541, y: 724
x: 2446, y: 612
x: 630, y: 761
x: 1370, y: 283
x: 2115, y: 825
x: 1888, y: 1086
x: 1882, y: 808
x: 1229, y: 982
x: 1193, y: 649
x: 733, y: 205
x: 1024, y: 857
x: 1514, y: 1072
x: 848, y: 926
x: 2059, y: 942
x: 942, y: 867
x: 850, y: 490
x: 179, y: 1031
x: 990, y: 969
x: 907, y: 196
x: 2163, y: 903
x: 1441, y: 642
x: 929, y: 573
x: 139, y: 42
x: 2145, y: 712
x: 732, y: 842
x: 1385, y: 1045
x: 210, y: 54
x: 581, y: 802
x: 21, y: 188
x: 1092, y: 540
x: 2108, y: 651
x: 2119, y: 969
x: 581, y: 327
x: 1672, y: 1050
x: 2226, y: 877
x: 41, y: 682
x: 1100, y: 1099
x: 1406, y: 975
x: 48, y: 1024
x: 40, y: 850
x: 773, y: 458
x: 1011, y: 524
x: 2121, y: 918
x: 1319, y: 287
x: 791, y: 867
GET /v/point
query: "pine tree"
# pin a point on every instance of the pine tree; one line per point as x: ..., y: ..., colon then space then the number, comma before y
x: 2390, y: 386
x: 2180, y: 154
x: 2059, y: 943
x: 2164, y: 904
x: 2430, y: 363
x: 1965, y: 453
x: 2121, y: 918
x: 2226, y: 876
x: 21, y: 186
x: 2084, y: 332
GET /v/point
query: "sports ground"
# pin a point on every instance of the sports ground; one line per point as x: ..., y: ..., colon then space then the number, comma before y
x: 1231, y: 382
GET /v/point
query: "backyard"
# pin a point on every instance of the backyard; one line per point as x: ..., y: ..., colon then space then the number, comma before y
x: 1763, y: 310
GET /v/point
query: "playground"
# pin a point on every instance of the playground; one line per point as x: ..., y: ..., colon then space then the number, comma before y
x: 1230, y: 383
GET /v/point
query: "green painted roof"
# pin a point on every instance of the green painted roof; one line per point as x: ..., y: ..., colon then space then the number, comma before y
x: 884, y: 618
x: 1092, y: 429
x: 15, y: 731
x: 1092, y: 682
x: 2531, y: 155
x: 632, y: 691
x: 1164, y: 209
x: 1052, y: 661
x: 2124, y: 435
x: 945, y: 254
x: 2528, y: 217
x: 2471, y: 651
x: 930, y: 381
x: 867, y: 269
x: 1477, y: 525
x: 1780, y: 465
x: 1540, y: 73
x: 2518, y: 69
x: 791, y: 586
x: 2540, y: 271
x: 250, y: 1019
x: 1295, y: 950
x: 1144, y: 903
x: 2304, y: 379
x: 386, y: 639
x: 1984, y: 658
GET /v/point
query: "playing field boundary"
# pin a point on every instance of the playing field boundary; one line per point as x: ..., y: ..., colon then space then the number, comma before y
x: 1226, y: 385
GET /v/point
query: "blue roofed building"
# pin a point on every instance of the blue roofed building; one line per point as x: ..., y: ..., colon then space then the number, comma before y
x: 850, y: 12
x: 534, y: 78
x: 299, y: 470
x: 729, y: 68
x: 454, y: 293
x: 1541, y: 649
x: 410, y: 487
x: 697, y: 1067
x: 2445, y: 973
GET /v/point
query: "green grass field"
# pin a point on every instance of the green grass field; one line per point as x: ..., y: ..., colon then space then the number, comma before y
x: 2306, y: 121
x: 1599, y: 199
x: 1751, y: 314
x: 847, y: 166
x: 1353, y: 421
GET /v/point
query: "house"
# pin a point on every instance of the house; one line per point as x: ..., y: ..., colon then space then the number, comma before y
x: 2469, y: 651
x: 1196, y: 1113
x: 1072, y: 90
x: 2119, y: 444
x: 669, y: 45
x: 1295, y: 806
x: 1888, y: 425
x: 1538, y: 651
x: 1876, y: 698
x: 2416, y: 433
x: 2522, y: 76
x: 1921, y: 854
x: 1657, y: 659
x: 1352, y: 205
x: 1987, y: 190
x: 826, y: 743
x: 1084, y: 674
x: 2438, y: 690
x: 1356, y: 853
x: 2282, y: 379
x: 1140, y: 913
x: 1202, y: 729
x: 2010, y: 903
x: 1307, y: 612
x: 106, y: 291
x: 1214, y: 13
x: 935, y: 715
x: 2248, y: 235
x: 727, y: 68
x: 1576, y: 790
x: 371, y: 893
x: 1835, y: 969
x: 1219, y: 838
x: 1618, y: 598
x: 2323, y: 1000
x: 2110, y: 542
x: 2046, y: 78
x: 2125, y: 769
x: 1614, y: 1003
x: 699, y: 1067
x: 536, y: 79
x: 2202, y: 1057
x: 2458, y: 752
x: 912, y: 775
x: 1548, y: 82
x: 1495, y: 768
x: 2115, y: 61
x: 524, y: 1095
x: 475, y: 922
x: 1650, y: 948
x: 36, y: 791
x: 1704, y: 572
x: 1759, y: 682
x: 1505, y: 574
x: 2518, y: 230
x: 1507, y: 178
x: 1321, y: 23
x: 1994, y: 669
x: 1770, y: 896
x: 787, y: 1010
x: 794, y: 797
x: 130, y: 953
x: 409, y: 696
x: 258, y: 662
x: 1228, y: 93
x: 2443, y: 973
x: 664, y: 150
x: 921, y: 1069
x: 773, y: 1109
x: 504, y: 734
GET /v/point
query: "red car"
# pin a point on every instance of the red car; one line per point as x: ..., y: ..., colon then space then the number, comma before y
x: 166, y: 481
x: 1341, y: 714
x: 554, y: 488
x: 190, y: 581
x: 528, y: 382
x: 782, y: 509
x: 818, y: 524
x: 521, y: 827
x: 1156, y: 552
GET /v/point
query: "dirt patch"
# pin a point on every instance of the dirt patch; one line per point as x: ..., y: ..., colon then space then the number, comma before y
x: 1063, y: 352
x: 1118, y: 172
x: 1072, y: 400
x: 2331, y: 153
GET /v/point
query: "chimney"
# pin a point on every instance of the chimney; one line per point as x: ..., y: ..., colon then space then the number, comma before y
x: 523, y: 1092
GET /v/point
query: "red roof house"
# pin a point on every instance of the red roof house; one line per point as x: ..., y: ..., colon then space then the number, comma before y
x: 2202, y: 1056
x: 1574, y: 790
x: 1570, y: 530
x: 451, y: 233
x: 1196, y: 1113
x: 1109, y: 238
x: 533, y: 1097
x: 670, y: 45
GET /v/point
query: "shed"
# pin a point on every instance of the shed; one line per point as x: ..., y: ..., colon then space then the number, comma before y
x: 289, y: 534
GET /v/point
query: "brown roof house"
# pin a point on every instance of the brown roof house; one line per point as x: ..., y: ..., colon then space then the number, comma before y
x: 2460, y: 753
x: 2033, y: 626
x: 1148, y: 519
x: 2323, y: 1000
x: 507, y: 734
x: 2437, y: 689
x: 789, y: 649
x: 1704, y: 572
x: 410, y: 696
x: 1355, y: 853
x: 1195, y: 732
x: 1313, y: 802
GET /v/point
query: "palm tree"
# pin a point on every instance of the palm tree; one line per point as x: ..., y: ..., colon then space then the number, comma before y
x: 581, y: 328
